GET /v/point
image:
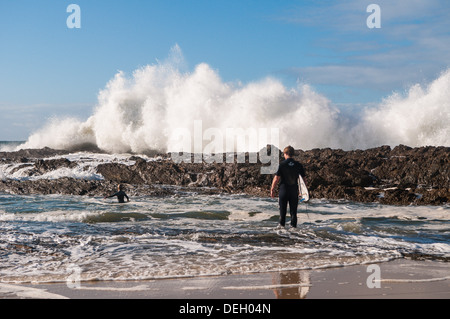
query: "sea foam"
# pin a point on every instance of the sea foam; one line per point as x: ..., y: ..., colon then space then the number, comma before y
x: 140, y: 113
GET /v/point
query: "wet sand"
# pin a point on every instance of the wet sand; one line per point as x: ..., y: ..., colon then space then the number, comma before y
x: 402, y: 278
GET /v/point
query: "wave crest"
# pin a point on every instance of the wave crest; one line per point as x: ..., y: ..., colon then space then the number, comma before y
x: 139, y: 114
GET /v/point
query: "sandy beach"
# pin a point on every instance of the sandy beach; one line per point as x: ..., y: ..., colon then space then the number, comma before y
x: 399, y: 279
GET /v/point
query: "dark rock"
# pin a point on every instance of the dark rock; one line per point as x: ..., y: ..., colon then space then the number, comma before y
x: 119, y: 173
x: 31, y: 154
x: 400, y: 176
x: 44, y: 166
x: 398, y: 197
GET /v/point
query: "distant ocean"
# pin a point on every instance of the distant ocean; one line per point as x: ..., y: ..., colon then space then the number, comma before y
x: 48, y: 238
x: 8, y: 146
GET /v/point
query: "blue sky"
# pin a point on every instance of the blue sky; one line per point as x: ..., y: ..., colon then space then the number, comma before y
x: 47, y: 69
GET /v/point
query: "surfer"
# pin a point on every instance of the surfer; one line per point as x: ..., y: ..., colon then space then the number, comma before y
x: 287, y: 176
x: 120, y: 194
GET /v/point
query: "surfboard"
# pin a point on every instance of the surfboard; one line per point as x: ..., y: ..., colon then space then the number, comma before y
x: 303, y: 190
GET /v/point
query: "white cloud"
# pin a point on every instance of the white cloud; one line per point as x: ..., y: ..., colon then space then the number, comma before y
x: 412, y: 45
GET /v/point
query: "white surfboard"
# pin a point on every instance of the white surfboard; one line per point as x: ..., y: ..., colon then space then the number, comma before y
x: 303, y: 190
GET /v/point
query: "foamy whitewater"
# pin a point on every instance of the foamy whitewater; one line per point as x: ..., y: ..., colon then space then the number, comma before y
x: 53, y: 238
x: 58, y: 238
x: 143, y: 113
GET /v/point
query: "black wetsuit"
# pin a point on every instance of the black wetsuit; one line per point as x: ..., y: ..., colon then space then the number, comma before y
x: 289, y: 170
x: 120, y: 196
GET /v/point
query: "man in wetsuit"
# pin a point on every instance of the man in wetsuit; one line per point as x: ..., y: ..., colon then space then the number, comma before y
x: 120, y: 194
x: 287, y: 176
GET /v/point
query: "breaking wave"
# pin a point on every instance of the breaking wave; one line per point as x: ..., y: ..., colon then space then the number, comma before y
x: 140, y: 113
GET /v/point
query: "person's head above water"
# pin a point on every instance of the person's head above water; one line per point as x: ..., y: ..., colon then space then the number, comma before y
x: 120, y: 187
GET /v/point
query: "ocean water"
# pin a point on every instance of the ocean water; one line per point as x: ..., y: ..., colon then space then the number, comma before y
x: 9, y: 146
x: 44, y: 238
x: 47, y: 238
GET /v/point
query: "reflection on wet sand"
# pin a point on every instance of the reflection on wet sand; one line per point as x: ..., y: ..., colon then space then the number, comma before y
x: 291, y: 285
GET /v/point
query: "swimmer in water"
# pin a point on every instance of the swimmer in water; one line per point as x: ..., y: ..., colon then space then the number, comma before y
x: 120, y: 194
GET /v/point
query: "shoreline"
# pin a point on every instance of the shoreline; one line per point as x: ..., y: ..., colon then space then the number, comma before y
x: 400, y: 279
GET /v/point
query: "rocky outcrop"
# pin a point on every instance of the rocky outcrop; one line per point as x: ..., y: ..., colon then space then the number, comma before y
x: 402, y: 175
x: 25, y: 155
x: 71, y: 186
